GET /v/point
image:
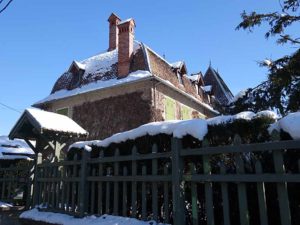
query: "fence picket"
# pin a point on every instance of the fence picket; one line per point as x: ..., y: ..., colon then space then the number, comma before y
x: 144, y: 195
x: 116, y: 185
x: 107, y: 195
x: 242, y: 194
x: 124, y: 202
x: 225, y: 201
x: 93, y: 189
x: 177, y: 187
x: 166, y: 196
x: 208, y: 192
x: 134, y: 184
x: 154, y: 185
x: 194, y: 194
x: 100, y: 189
x: 262, y: 203
x: 282, y: 191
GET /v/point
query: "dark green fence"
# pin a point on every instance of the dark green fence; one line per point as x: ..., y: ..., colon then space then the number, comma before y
x: 240, y: 184
x: 15, y: 184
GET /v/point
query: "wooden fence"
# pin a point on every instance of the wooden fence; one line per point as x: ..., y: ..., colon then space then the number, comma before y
x: 240, y: 184
x: 15, y: 184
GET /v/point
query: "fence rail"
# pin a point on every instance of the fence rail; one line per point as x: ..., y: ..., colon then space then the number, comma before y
x: 240, y: 184
x: 15, y: 184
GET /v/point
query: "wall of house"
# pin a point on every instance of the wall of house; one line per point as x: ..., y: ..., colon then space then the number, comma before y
x: 165, y: 99
x: 108, y: 111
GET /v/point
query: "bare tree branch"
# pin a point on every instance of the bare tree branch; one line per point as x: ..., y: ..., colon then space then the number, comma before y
x: 5, y: 7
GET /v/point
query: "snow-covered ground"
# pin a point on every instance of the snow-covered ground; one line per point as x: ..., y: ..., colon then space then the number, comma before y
x: 5, y: 205
x: 197, y: 128
x: 63, y: 219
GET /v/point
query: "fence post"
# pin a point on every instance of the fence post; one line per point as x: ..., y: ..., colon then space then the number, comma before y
x: 36, y: 191
x: 82, y: 184
x: 177, y: 185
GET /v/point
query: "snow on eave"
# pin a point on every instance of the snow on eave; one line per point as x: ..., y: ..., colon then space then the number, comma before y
x: 49, y: 121
x: 96, y: 86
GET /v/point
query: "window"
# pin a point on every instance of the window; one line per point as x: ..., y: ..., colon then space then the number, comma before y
x: 169, y: 109
x: 185, y: 113
x: 63, y: 111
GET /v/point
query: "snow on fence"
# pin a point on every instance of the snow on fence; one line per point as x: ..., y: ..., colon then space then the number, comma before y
x: 240, y: 184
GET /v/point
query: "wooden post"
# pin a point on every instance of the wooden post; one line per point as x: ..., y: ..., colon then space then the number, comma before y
x: 82, y: 184
x: 177, y: 185
x: 36, y: 184
x: 282, y: 191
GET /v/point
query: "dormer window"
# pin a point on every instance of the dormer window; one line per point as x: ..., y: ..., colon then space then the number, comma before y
x: 77, y: 70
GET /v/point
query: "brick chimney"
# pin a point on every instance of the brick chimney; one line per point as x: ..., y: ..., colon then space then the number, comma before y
x: 126, y: 37
x: 113, y: 31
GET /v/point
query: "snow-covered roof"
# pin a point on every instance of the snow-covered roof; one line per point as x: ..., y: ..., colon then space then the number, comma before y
x: 14, y: 149
x: 127, y: 20
x: 197, y: 128
x: 97, y: 85
x: 193, y: 78
x: 79, y: 65
x: 50, y: 121
x: 177, y: 64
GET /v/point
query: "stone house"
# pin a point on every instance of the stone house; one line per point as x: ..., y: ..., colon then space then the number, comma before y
x: 127, y: 86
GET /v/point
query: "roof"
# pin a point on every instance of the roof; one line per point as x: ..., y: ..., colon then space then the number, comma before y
x: 222, y: 92
x: 14, y: 149
x: 43, y: 122
x: 100, y: 71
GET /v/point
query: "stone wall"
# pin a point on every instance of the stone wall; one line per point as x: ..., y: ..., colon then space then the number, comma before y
x: 106, y: 117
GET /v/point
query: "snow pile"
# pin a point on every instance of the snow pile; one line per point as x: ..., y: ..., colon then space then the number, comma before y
x: 248, y: 115
x: 11, y: 149
x: 100, y: 84
x: 55, y: 122
x: 5, y: 205
x: 289, y: 124
x: 197, y: 128
x: 56, y: 218
x: 177, y: 128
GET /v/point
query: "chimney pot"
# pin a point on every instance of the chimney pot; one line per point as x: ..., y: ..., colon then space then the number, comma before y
x: 113, y: 20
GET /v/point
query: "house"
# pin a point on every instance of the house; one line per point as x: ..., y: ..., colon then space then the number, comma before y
x: 127, y: 86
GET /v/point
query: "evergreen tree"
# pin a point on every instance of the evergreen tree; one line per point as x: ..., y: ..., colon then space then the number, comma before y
x: 282, y: 89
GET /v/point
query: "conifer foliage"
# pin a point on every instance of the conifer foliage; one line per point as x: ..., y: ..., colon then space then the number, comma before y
x: 282, y: 89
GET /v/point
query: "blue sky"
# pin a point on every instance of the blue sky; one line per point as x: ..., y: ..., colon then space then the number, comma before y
x: 39, y: 40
